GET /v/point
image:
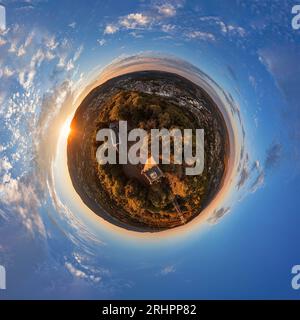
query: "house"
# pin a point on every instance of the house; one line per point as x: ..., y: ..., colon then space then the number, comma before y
x: 151, y: 171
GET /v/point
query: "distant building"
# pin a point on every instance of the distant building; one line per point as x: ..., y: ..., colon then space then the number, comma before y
x: 152, y: 171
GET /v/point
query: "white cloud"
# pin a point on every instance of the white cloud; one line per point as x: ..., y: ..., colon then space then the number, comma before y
x: 72, y: 25
x: 226, y: 29
x: 81, y: 274
x: 256, y: 165
x: 110, y: 29
x: 62, y: 61
x: 21, y: 50
x: 252, y: 81
x: 13, y: 46
x: 167, y: 270
x: 49, y: 55
x: 70, y: 64
x: 2, y: 41
x: 167, y: 10
x: 75, y: 272
x: 237, y: 30
x: 222, y: 26
x: 26, y: 78
x: 135, y: 20
x: 27, y: 75
x: 136, y: 35
x: 201, y: 35
x: 78, y: 53
x: 5, y: 165
x: 217, y: 215
x: 27, y: 43
x: 168, y: 27
x: 22, y: 199
x: 51, y: 43
x: 7, y: 72
x: 101, y: 42
x: 9, y: 190
x: 258, y: 182
x: 129, y: 22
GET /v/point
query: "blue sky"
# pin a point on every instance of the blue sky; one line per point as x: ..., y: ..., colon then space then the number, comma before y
x: 248, y: 248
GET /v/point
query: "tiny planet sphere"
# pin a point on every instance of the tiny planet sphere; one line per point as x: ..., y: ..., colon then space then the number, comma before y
x: 153, y: 196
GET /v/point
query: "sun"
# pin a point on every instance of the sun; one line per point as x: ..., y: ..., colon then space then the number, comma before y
x: 66, y: 128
